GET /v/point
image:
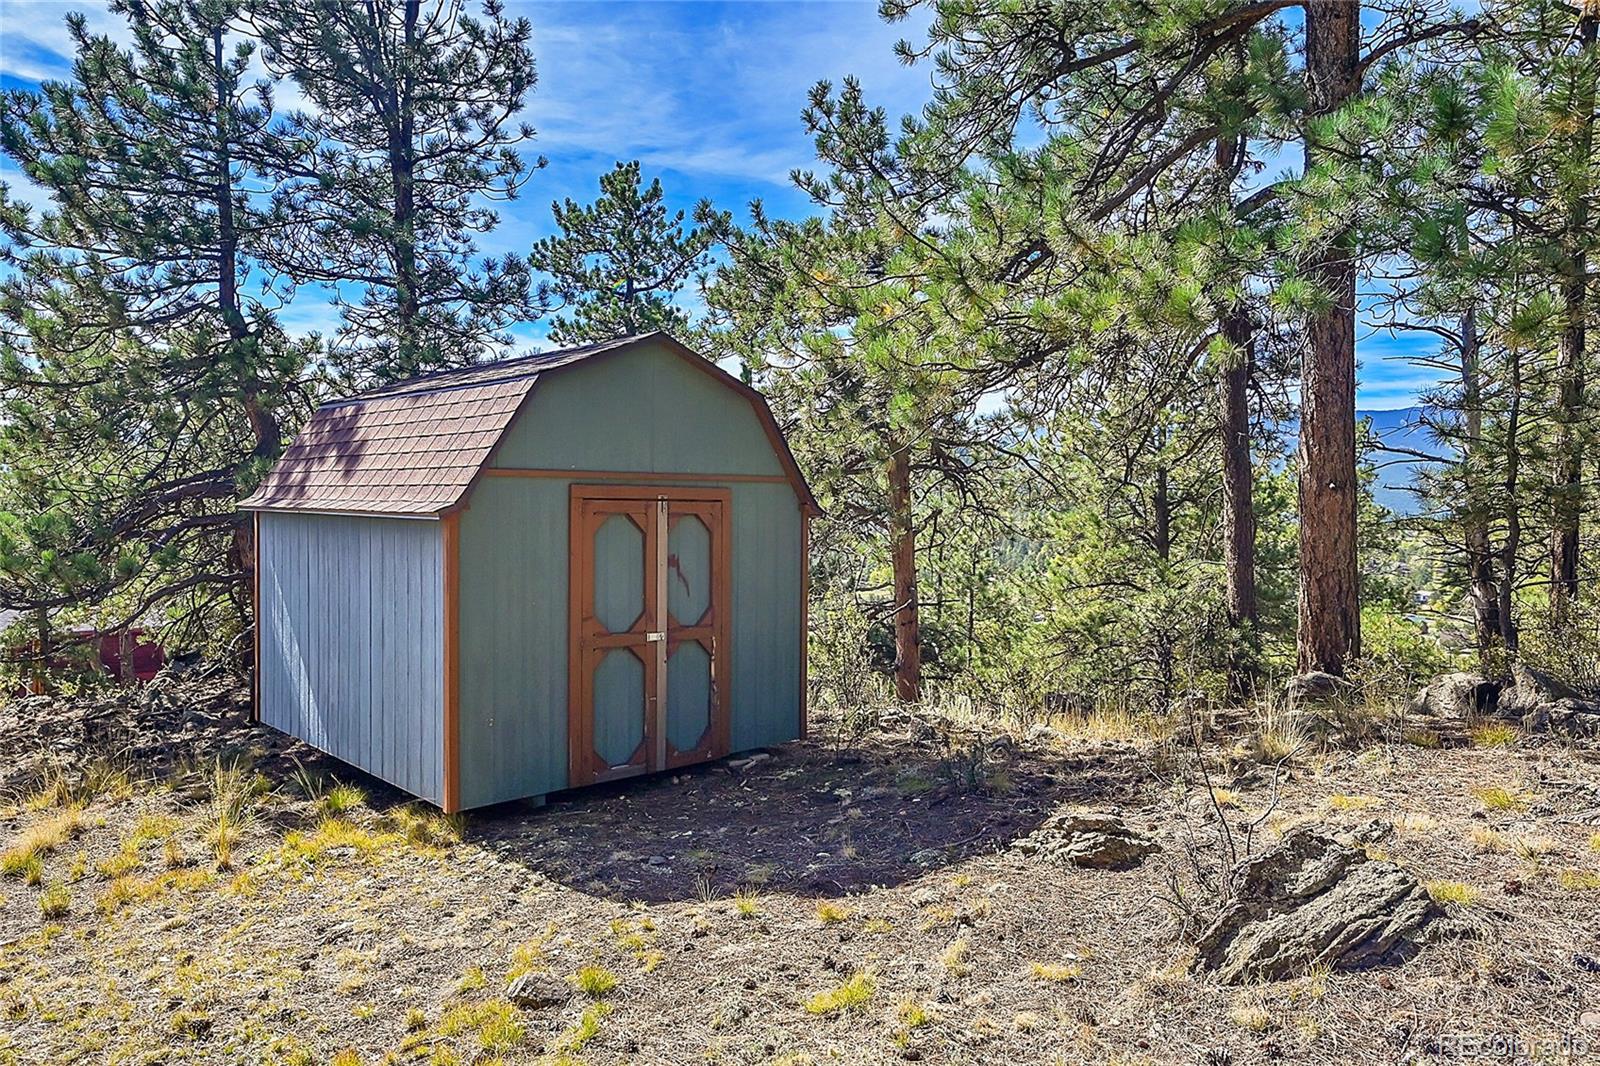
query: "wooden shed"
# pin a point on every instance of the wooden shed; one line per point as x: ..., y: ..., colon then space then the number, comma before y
x: 493, y: 583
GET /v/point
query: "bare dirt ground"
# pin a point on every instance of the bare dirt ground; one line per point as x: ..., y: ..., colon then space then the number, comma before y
x: 837, y: 902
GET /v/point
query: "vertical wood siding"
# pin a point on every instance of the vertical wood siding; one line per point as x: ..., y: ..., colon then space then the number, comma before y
x: 351, y: 641
x: 639, y: 411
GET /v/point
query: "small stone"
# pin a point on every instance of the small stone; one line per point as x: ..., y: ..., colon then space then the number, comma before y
x: 536, y: 991
x: 1315, y: 687
x: 1083, y: 838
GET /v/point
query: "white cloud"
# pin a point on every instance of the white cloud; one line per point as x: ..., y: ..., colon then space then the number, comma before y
x: 701, y: 88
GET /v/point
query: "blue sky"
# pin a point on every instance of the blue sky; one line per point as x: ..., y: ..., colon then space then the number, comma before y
x: 707, y: 95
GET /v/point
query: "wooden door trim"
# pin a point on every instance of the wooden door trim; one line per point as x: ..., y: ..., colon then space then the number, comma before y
x: 592, y: 491
x: 720, y: 632
x: 580, y: 576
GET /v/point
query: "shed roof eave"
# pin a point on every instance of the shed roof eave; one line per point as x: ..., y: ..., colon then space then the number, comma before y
x: 351, y: 512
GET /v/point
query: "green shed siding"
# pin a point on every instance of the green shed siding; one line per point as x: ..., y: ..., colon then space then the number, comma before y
x: 513, y: 640
x: 766, y: 615
x: 635, y: 411
x: 638, y: 409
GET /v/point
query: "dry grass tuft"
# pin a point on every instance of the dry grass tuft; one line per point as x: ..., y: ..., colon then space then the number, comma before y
x: 342, y: 798
x: 831, y: 913
x: 576, y: 1038
x: 594, y: 981
x: 1494, y: 735
x: 1055, y: 973
x: 1501, y: 798
x: 1457, y: 892
x: 747, y: 903
x: 44, y: 838
x: 1489, y: 841
x: 1579, y: 880
x: 55, y: 901
x: 1250, y: 1016
x: 850, y: 995
x: 426, y: 828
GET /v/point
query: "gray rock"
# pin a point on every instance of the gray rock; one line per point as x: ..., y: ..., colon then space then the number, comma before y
x: 1574, y: 717
x: 1081, y: 838
x: 1458, y: 695
x: 1315, y: 687
x: 1529, y: 689
x: 537, y: 991
x: 1311, y: 901
x: 1544, y: 703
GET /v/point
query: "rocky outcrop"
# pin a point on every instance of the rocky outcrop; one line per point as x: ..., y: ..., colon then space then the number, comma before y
x: 1312, y: 901
x: 1458, y: 695
x: 1544, y: 703
x: 1081, y: 838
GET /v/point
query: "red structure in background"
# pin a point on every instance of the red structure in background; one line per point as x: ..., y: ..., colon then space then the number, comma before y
x: 145, y: 659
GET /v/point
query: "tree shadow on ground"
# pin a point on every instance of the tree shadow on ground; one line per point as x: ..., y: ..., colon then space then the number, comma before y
x: 807, y: 819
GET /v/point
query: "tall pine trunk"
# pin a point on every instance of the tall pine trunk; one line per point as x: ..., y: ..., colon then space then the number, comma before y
x: 1329, y: 634
x: 1238, y: 514
x: 1508, y: 492
x: 402, y: 177
x: 903, y: 548
x: 264, y: 427
x: 1568, y: 473
x: 1483, y: 588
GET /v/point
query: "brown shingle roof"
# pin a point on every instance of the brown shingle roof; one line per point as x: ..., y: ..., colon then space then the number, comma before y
x: 415, y: 447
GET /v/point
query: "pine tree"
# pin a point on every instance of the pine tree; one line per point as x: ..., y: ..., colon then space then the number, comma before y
x: 618, y: 263
x: 144, y: 385
x: 1130, y: 105
x: 411, y: 130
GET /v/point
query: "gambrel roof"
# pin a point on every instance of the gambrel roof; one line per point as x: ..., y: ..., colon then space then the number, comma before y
x: 415, y: 448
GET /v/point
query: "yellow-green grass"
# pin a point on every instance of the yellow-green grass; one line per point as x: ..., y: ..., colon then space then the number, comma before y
x: 1457, y: 892
x: 851, y: 994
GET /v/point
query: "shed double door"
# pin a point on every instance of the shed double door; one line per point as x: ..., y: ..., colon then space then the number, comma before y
x: 648, y: 663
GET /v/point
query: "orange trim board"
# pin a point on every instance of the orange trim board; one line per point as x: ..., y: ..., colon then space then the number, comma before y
x: 635, y: 475
x: 805, y: 620
x: 255, y: 603
x: 451, y: 802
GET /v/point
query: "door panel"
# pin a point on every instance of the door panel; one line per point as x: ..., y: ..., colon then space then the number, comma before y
x: 688, y: 569
x: 619, y: 566
x: 690, y: 693
x: 621, y: 707
x: 650, y: 607
x: 698, y: 606
x: 613, y: 664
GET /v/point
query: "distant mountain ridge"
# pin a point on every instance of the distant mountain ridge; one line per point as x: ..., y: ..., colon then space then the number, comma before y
x: 1401, y: 428
x: 1398, y: 428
